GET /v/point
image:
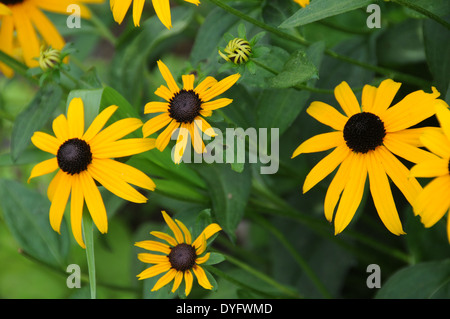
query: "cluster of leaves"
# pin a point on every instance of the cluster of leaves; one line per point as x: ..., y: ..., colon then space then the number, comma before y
x: 276, y: 240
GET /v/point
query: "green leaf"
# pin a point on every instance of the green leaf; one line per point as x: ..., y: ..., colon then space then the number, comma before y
x: 321, y: 9
x: 423, y: 280
x: 298, y: 69
x: 214, y: 259
x: 26, y: 213
x: 229, y: 192
x: 34, y: 117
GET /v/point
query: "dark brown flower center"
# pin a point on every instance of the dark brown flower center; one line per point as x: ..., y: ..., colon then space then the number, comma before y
x: 185, y: 106
x: 74, y: 156
x: 182, y: 257
x: 364, y: 132
x: 11, y: 1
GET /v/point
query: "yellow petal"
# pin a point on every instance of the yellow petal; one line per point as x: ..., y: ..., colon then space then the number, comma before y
x: 180, y: 146
x: 382, y: 195
x: 319, y: 143
x: 219, y: 87
x: 138, y: 7
x: 165, y: 279
x: 61, y: 128
x: 156, y: 107
x: 94, y: 202
x: 98, y: 169
x: 325, y: 167
x: 384, y: 96
x: 443, y: 115
x: 368, y: 97
x: 116, y: 131
x: 177, y: 281
x: 164, y: 93
x: 201, y: 277
x: 196, y: 139
x: 408, y: 152
x: 188, y: 279
x: 216, y: 104
x: 165, y: 72
x: 26, y: 35
x: 46, y: 28
x: 99, y: 122
x: 59, y: 201
x: 154, y: 246
x: 431, y: 168
x: 328, y: 115
x: 433, y: 202
x: 155, y: 124
x: 173, y: 226
x: 164, y: 138
x: 46, y: 142
x: 53, y: 186
x: 352, y: 194
x: 202, y: 259
x: 119, y: 9
x: 186, y: 232
x: 204, y: 126
x: 347, y: 99
x: 210, y: 230
x: 436, y: 142
x: 207, y: 83
x: 188, y: 82
x: 152, y: 258
x: 162, y: 10
x: 154, y: 271
x: 44, y: 168
x: 76, y: 210
x: 165, y: 237
x: 75, y: 118
x: 122, y: 148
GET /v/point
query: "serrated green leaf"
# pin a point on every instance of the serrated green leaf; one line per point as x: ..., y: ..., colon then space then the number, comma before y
x: 321, y: 9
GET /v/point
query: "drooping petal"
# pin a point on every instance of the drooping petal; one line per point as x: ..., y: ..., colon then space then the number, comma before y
x: 204, y: 126
x: 201, y: 277
x: 119, y: 9
x: 203, y: 259
x: 165, y: 279
x: 94, y: 202
x: 328, y: 115
x: 352, y: 194
x: 46, y: 28
x: 325, y: 167
x: 188, y: 279
x: 219, y: 87
x: 347, y: 99
x: 59, y: 201
x: 76, y: 210
x: 164, y: 137
x: 180, y: 146
x: 98, y: 169
x: 196, y: 139
x: 382, y: 195
x: 173, y: 226
x: 43, y: 168
x: 177, y: 281
x: 54, y: 185
x: 319, y: 143
x: 138, y: 7
x: 26, y: 35
x: 162, y: 10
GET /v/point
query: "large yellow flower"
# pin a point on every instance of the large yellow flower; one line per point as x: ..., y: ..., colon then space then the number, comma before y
x: 82, y: 157
x: 364, y: 143
x: 179, y: 257
x: 162, y: 9
x: 26, y: 17
x: 434, y: 201
x: 184, y: 109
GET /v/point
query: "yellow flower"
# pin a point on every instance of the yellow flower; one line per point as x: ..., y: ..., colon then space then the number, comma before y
x: 177, y: 258
x: 434, y: 201
x: 162, y: 9
x: 303, y: 3
x: 237, y: 51
x: 82, y: 157
x: 364, y: 143
x: 184, y: 109
x: 26, y: 17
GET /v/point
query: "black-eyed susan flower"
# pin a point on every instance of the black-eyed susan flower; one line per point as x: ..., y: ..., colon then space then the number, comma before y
x: 365, y: 141
x: 26, y: 17
x: 179, y: 258
x: 302, y: 3
x: 184, y: 110
x: 83, y: 157
x: 434, y: 201
x: 119, y: 9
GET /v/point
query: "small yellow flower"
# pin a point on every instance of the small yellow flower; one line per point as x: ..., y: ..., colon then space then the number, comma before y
x: 49, y: 58
x: 237, y: 51
x: 434, y: 201
x: 119, y: 9
x: 178, y: 257
x: 184, y: 110
x: 303, y: 3
x: 80, y: 157
x: 365, y: 141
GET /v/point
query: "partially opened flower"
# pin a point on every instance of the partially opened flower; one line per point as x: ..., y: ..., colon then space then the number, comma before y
x: 434, y: 201
x: 303, y: 3
x: 179, y: 258
x: 184, y: 109
x: 83, y: 157
x: 26, y: 18
x: 365, y: 141
x: 162, y: 9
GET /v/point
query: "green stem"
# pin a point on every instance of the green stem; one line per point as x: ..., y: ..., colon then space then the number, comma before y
x: 17, y: 66
x: 286, y: 290
x: 299, y: 40
x: 103, y: 30
x: 423, y: 11
x: 294, y: 253
x: 88, y: 231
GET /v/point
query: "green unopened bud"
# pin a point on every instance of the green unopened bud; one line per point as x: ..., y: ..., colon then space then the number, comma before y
x: 237, y: 51
x: 49, y: 58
